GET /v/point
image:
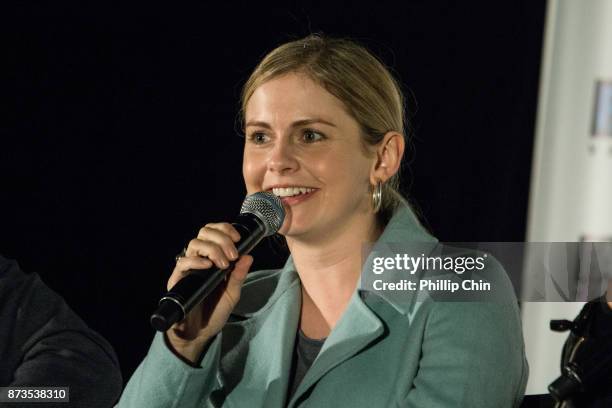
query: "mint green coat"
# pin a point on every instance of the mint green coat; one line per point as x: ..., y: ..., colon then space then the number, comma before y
x: 382, y: 353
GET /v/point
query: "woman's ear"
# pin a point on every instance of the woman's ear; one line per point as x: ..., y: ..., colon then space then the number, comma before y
x: 389, y: 153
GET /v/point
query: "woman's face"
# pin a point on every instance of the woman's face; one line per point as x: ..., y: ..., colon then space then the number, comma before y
x: 299, y: 135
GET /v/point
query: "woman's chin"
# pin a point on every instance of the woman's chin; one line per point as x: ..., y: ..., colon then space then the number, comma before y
x: 291, y: 230
x: 301, y: 233
x: 288, y: 232
x: 295, y: 224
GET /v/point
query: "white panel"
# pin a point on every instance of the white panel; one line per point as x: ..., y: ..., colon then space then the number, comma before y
x: 571, y: 191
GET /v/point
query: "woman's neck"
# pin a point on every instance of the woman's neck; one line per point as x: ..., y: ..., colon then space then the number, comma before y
x: 329, y: 272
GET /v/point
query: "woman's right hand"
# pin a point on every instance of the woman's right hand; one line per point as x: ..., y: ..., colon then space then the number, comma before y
x: 214, y: 246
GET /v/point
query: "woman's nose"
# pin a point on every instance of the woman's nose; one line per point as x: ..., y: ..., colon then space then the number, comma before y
x: 282, y: 158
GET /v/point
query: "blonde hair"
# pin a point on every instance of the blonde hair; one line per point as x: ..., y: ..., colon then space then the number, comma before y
x: 370, y: 93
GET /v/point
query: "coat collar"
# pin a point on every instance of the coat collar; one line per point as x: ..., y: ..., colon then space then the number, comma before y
x: 404, y: 234
x: 403, y: 229
x: 273, y: 306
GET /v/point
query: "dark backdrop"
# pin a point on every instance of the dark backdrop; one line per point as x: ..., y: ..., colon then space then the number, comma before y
x: 120, y: 139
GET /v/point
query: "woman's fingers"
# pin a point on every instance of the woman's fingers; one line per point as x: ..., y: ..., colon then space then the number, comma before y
x: 209, y: 249
x: 224, y: 235
x: 237, y: 277
x: 225, y: 227
x: 215, y: 241
x: 186, y: 263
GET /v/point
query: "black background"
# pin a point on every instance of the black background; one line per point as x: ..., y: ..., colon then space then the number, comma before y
x: 121, y: 140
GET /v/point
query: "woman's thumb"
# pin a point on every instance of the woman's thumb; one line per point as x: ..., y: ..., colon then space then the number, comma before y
x: 239, y: 273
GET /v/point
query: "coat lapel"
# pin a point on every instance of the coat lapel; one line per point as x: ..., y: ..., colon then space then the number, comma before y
x: 357, y: 328
x: 265, y: 340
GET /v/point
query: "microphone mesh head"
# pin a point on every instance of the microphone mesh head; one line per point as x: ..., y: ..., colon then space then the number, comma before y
x: 267, y: 207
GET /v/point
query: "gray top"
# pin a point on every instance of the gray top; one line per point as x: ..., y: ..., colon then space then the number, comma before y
x: 305, y: 352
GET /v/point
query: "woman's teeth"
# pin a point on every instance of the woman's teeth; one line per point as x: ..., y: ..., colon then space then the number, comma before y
x: 291, y: 191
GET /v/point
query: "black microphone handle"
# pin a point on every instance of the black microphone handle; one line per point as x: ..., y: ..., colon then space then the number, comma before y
x: 195, y: 287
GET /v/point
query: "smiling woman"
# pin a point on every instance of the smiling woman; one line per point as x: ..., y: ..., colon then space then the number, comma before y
x: 350, y: 79
x: 324, y: 130
x: 298, y: 135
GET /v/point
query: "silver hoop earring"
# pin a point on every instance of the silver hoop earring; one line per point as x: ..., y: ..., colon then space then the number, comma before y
x: 377, y: 196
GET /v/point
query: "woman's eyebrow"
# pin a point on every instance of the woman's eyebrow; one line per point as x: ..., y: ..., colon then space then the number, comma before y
x: 310, y: 121
x: 301, y: 122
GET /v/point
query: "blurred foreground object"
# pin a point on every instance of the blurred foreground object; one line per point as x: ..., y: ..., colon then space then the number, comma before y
x: 44, y: 343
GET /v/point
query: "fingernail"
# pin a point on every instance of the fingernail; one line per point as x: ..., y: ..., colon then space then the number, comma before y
x: 234, y: 253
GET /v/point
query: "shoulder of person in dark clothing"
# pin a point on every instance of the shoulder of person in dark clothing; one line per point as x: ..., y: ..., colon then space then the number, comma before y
x: 44, y: 343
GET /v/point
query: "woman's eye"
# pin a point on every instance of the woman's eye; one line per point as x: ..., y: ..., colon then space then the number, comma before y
x: 258, y: 138
x: 310, y: 136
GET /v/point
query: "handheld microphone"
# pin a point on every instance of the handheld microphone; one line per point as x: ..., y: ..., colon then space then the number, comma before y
x: 262, y: 214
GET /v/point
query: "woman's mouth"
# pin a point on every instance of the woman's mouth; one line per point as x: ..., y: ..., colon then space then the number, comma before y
x: 294, y: 195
